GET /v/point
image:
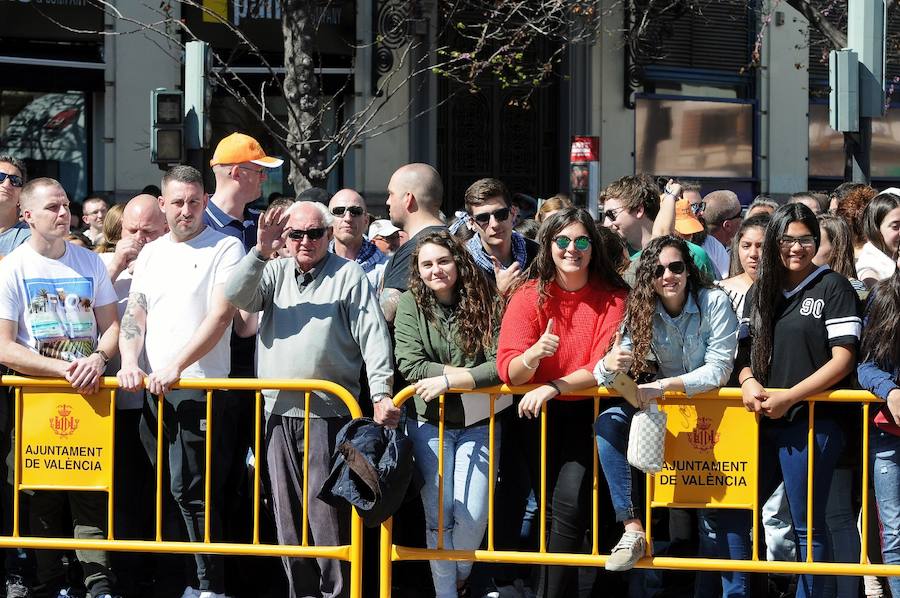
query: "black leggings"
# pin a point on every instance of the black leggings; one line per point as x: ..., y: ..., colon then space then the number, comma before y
x: 570, y: 450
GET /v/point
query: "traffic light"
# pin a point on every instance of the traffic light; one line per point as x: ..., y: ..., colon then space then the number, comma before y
x: 197, y: 94
x: 167, y: 126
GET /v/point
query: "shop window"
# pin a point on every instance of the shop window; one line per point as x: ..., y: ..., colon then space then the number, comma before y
x: 826, y: 146
x: 694, y: 138
x: 47, y: 131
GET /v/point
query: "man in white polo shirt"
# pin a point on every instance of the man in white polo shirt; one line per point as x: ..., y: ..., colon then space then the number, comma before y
x: 178, y: 312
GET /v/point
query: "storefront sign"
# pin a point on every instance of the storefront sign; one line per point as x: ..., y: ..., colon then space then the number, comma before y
x: 710, y: 457
x: 66, y: 439
x: 260, y: 21
x: 53, y: 20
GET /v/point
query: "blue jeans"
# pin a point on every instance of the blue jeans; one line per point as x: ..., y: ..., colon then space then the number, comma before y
x: 887, y: 494
x: 611, y: 428
x: 466, y: 479
x: 783, y: 456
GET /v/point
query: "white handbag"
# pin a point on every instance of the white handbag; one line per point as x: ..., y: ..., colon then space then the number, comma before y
x: 646, y: 439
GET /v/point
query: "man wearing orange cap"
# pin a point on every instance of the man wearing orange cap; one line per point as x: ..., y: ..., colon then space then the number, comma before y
x: 239, y: 165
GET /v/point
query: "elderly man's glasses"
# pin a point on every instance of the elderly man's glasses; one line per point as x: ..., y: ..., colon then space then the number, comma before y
x: 14, y: 179
x: 314, y: 234
x: 355, y: 211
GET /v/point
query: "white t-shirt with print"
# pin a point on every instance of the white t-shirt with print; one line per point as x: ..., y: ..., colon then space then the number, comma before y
x: 178, y: 280
x: 53, y: 300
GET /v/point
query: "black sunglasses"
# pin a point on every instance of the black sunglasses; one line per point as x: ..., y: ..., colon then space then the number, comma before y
x: 698, y: 207
x: 499, y: 215
x: 613, y: 214
x: 313, y: 234
x: 355, y: 211
x: 14, y: 179
x: 673, y: 267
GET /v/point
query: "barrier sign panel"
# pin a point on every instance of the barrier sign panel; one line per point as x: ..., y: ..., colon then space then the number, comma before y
x: 66, y: 439
x: 711, y: 454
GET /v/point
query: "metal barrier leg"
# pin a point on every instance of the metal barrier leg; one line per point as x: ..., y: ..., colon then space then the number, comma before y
x: 387, y: 558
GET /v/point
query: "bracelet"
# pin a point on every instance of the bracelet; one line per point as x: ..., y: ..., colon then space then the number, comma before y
x: 748, y: 378
x: 447, y: 381
x: 555, y: 387
x: 525, y: 363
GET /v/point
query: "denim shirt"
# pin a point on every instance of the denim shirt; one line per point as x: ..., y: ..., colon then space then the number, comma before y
x: 698, y: 345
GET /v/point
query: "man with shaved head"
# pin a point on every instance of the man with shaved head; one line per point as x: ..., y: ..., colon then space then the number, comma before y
x: 142, y: 222
x: 723, y: 215
x: 350, y: 221
x: 415, y: 192
x: 320, y: 319
x: 58, y: 319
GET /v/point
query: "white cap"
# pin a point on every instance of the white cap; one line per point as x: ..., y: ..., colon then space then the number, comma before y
x: 382, y: 228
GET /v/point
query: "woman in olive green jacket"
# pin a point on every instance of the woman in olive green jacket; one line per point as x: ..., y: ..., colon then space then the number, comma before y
x: 446, y: 337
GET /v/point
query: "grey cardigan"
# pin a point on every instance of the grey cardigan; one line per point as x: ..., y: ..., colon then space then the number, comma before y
x: 326, y: 330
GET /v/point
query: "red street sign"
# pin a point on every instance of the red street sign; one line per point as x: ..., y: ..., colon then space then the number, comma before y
x: 585, y: 149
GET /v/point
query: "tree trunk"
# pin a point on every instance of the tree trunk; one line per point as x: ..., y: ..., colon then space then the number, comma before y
x: 303, y: 95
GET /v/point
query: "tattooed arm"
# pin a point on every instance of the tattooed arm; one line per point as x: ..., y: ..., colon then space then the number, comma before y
x: 131, y: 342
x: 389, y: 300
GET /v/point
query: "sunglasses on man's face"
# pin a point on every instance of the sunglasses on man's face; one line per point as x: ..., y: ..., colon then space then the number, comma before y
x: 14, y: 179
x: 355, y: 211
x: 673, y: 267
x: 499, y: 215
x: 314, y: 234
x: 611, y: 215
x: 581, y: 243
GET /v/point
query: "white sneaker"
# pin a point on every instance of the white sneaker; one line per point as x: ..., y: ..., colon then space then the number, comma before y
x: 627, y: 552
x: 872, y: 586
x: 208, y: 594
x: 190, y: 592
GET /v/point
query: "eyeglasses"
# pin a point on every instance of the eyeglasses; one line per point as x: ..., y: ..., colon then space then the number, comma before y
x: 699, y: 207
x: 737, y: 215
x: 314, y: 234
x: 673, y: 267
x: 805, y: 241
x: 499, y: 215
x: 355, y: 211
x: 613, y: 214
x: 581, y: 243
x: 253, y: 170
x: 14, y: 179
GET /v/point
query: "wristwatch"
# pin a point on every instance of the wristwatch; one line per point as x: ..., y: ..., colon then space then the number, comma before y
x: 378, y: 397
x: 102, y: 355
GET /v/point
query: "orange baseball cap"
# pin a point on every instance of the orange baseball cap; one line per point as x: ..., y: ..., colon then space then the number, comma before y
x: 238, y: 148
x: 685, y: 221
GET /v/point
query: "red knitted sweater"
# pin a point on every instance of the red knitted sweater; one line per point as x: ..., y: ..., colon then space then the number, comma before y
x: 585, y: 321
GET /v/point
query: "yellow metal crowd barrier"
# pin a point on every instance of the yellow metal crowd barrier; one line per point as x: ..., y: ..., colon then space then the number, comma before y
x: 28, y: 393
x: 391, y: 552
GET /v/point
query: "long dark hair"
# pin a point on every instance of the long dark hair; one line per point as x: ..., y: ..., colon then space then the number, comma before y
x: 757, y: 221
x: 767, y: 296
x: 875, y: 213
x: 642, y: 300
x: 602, y: 266
x: 477, y: 308
x: 879, y: 339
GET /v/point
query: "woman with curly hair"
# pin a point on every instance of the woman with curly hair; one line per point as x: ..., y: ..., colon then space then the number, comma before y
x: 445, y: 333
x: 556, y: 326
x: 687, y: 327
x: 799, y: 332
